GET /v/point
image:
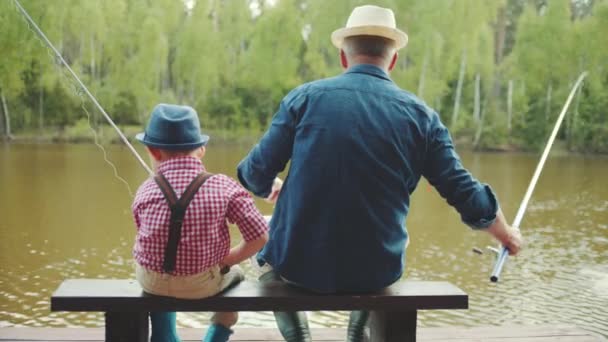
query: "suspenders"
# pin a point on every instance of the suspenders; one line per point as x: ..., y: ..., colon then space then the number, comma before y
x: 178, y: 211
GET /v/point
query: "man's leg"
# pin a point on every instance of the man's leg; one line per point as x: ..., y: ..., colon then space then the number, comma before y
x: 356, y: 326
x: 293, y: 325
x: 163, y: 327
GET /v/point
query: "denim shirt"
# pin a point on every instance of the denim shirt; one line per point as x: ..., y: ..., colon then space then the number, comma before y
x: 358, y: 146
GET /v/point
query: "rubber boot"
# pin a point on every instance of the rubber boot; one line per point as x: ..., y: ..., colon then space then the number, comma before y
x: 163, y: 327
x: 356, y: 326
x: 217, y: 333
x: 292, y: 325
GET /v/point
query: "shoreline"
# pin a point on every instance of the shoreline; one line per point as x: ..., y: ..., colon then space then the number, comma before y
x: 107, y: 136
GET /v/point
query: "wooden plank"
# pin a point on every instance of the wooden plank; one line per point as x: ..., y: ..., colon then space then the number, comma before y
x: 542, y: 333
x: 111, y: 295
x: 514, y: 331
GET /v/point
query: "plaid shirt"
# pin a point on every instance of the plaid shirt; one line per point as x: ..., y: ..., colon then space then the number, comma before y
x: 205, y: 239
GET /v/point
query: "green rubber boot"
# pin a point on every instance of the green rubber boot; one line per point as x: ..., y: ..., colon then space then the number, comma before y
x: 292, y: 325
x: 356, y: 326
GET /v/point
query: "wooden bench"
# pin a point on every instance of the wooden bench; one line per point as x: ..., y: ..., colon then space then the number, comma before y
x: 126, y: 306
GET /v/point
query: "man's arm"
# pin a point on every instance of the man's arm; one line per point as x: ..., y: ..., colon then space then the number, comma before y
x: 508, y: 236
x: 475, y: 201
x: 258, y: 170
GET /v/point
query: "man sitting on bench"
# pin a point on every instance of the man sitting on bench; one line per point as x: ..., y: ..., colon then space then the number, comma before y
x: 358, y: 146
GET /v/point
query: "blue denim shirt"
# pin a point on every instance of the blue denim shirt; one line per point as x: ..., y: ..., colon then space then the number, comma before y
x: 358, y: 146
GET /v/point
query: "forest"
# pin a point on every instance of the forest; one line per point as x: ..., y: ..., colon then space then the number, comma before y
x: 497, y: 71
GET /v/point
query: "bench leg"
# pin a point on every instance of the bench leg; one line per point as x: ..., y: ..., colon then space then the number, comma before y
x: 126, y: 326
x: 393, y: 326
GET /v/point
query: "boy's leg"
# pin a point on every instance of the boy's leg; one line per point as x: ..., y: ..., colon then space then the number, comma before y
x: 163, y: 327
x: 220, y: 331
x: 293, y: 325
x: 356, y: 326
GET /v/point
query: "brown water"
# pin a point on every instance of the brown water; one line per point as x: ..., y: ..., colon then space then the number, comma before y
x: 64, y: 215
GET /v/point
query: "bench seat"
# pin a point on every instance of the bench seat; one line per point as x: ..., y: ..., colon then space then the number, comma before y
x: 394, y: 309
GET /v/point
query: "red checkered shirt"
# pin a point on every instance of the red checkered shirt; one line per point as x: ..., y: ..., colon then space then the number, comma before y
x: 205, y: 239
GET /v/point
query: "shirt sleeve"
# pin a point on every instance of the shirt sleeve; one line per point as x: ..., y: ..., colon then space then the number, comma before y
x: 258, y: 170
x: 475, y: 201
x: 137, y: 201
x: 243, y: 212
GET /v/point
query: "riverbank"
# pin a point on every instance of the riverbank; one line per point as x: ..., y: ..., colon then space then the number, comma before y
x: 82, y: 133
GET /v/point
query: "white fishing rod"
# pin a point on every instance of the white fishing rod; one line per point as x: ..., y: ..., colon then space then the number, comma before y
x: 504, y: 252
x: 84, y: 88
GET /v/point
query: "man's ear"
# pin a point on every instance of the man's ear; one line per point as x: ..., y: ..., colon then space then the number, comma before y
x: 393, y: 62
x: 154, y: 152
x: 343, y: 59
x: 201, y: 152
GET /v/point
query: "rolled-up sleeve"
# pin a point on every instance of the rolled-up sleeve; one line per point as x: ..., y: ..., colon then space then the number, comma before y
x: 475, y: 201
x: 270, y: 156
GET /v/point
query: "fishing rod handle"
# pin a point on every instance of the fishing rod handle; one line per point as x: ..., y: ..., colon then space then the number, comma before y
x: 500, y: 262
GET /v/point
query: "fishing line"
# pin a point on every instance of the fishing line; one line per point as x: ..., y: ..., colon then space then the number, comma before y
x: 80, y: 94
x: 80, y: 90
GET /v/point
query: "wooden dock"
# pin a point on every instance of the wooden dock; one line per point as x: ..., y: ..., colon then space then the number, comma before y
x: 451, y: 334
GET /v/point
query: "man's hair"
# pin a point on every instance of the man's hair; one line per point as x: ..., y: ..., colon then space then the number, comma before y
x: 372, y: 46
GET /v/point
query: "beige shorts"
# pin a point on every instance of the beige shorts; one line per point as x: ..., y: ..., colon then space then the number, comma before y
x: 201, y: 285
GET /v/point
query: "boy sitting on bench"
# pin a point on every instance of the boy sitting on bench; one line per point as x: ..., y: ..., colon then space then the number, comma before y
x: 182, y: 248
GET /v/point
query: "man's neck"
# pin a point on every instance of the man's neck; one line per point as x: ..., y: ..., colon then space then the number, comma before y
x: 369, y: 60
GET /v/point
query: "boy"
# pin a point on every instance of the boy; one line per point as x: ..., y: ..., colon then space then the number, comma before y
x: 182, y: 248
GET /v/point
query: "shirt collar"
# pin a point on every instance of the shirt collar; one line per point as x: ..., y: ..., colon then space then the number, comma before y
x: 368, y: 69
x: 181, y: 163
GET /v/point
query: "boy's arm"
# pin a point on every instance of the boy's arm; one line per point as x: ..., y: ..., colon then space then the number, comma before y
x: 244, y: 251
x: 252, y: 225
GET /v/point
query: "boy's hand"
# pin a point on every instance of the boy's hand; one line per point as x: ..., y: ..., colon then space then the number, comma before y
x: 274, y: 192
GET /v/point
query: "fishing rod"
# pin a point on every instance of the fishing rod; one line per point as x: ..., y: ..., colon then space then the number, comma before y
x: 84, y: 88
x: 504, y: 252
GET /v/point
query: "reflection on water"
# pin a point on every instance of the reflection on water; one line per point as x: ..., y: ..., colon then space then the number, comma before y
x: 63, y: 215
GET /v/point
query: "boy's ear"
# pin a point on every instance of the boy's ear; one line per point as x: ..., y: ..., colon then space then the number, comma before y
x: 201, y: 152
x: 154, y: 152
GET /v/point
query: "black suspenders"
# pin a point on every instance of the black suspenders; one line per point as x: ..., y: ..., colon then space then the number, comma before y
x: 178, y: 211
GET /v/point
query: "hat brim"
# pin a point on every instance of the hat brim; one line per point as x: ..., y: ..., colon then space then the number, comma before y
x: 141, y: 137
x: 400, y: 37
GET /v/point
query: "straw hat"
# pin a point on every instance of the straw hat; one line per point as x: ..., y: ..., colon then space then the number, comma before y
x: 370, y: 20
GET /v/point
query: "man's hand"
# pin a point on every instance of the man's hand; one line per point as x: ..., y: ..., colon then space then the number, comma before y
x: 508, y: 236
x: 513, y: 241
x: 274, y: 192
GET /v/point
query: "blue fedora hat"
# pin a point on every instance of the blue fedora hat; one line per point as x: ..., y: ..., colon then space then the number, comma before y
x: 173, y: 127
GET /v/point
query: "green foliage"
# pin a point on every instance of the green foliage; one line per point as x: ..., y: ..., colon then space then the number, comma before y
x: 233, y: 60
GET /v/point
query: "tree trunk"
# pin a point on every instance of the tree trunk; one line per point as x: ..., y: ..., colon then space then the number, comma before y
x: 500, y: 35
x: 463, y: 63
x: 93, y: 76
x: 572, y: 126
x: 510, y: 106
x: 7, y: 119
x: 422, y: 75
x: 477, y: 104
x: 41, y: 110
x: 548, y: 104
x: 479, y: 129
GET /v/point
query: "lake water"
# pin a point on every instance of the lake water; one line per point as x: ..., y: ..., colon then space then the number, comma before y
x: 63, y: 214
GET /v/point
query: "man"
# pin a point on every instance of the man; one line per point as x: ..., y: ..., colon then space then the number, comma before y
x: 358, y: 146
